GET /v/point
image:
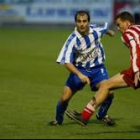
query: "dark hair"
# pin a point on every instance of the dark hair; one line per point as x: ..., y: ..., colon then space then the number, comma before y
x: 125, y: 16
x: 80, y: 12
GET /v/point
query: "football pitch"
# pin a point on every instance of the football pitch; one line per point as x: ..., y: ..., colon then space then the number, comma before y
x: 31, y: 83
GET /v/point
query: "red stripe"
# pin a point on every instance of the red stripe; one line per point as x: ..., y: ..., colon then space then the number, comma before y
x: 133, y: 28
x: 127, y: 40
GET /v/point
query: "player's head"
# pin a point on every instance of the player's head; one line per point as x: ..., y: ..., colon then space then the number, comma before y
x: 82, y: 19
x: 82, y: 12
x: 124, y: 20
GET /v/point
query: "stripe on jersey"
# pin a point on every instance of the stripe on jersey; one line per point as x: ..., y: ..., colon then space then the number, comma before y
x: 133, y: 51
x: 87, y: 40
x: 83, y: 51
x: 65, y: 50
x: 134, y: 33
x: 95, y: 35
x: 132, y: 36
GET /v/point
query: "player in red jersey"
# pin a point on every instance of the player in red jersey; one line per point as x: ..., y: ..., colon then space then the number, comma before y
x: 126, y: 78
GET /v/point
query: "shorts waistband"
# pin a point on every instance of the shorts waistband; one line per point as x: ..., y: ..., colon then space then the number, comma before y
x: 91, y: 68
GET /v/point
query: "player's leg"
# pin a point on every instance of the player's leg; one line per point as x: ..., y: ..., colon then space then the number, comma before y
x: 73, y: 84
x: 101, y: 76
x: 100, y: 96
x: 104, y: 107
x: 103, y: 92
x: 102, y: 113
x: 112, y: 83
x: 97, y: 76
x: 62, y: 104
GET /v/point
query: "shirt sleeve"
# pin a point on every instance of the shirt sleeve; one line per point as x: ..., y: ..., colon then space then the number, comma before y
x: 101, y: 30
x: 67, y: 51
x: 133, y: 45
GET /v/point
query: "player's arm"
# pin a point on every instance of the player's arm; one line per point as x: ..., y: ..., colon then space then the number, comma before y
x: 135, y: 60
x: 102, y: 30
x: 74, y: 70
x: 131, y: 42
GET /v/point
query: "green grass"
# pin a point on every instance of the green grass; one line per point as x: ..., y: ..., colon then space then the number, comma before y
x: 31, y: 83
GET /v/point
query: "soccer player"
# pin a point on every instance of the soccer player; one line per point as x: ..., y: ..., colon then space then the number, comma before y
x: 126, y: 78
x: 83, y: 55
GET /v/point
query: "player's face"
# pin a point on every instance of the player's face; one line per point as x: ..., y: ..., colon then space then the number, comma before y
x: 122, y: 25
x: 82, y: 24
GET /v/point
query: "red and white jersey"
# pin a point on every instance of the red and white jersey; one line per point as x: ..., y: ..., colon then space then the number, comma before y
x: 131, y: 38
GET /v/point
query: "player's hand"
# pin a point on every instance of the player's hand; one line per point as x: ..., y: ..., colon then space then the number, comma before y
x: 111, y: 33
x: 84, y: 78
x: 137, y: 78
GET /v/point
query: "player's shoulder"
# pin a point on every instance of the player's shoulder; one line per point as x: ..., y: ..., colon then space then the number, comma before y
x: 71, y: 37
x: 93, y: 26
x: 133, y: 28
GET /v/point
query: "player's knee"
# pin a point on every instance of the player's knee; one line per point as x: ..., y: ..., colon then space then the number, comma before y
x: 64, y: 99
x: 104, y: 86
x: 108, y: 86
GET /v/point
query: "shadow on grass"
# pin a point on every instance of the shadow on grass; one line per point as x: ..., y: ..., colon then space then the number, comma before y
x: 136, y: 131
x: 109, y: 132
x: 101, y: 122
x: 137, y: 127
x: 92, y: 121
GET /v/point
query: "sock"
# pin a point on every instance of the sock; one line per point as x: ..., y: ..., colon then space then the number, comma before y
x: 105, y: 106
x: 88, y: 110
x: 60, y: 109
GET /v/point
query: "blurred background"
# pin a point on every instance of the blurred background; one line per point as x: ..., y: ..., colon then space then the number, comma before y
x: 60, y: 12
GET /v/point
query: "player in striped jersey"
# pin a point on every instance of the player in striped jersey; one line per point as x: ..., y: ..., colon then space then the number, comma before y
x: 83, y: 55
x: 126, y: 78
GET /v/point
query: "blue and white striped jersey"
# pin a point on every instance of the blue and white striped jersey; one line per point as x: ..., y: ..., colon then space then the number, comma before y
x: 84, y: 51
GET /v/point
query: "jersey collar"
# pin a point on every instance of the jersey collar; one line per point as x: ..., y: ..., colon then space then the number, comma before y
x: 79, y: 35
